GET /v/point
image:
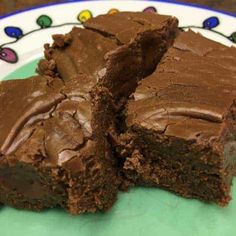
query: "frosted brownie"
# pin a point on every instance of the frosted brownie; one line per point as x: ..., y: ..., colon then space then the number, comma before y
x: 49, y: 156
x: 181, y: 128
x: 113, y: 51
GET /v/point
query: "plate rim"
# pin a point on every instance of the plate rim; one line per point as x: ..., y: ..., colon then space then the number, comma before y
x: 192, y: 5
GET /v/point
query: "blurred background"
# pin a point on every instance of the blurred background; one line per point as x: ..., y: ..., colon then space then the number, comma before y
x: 7, y: 6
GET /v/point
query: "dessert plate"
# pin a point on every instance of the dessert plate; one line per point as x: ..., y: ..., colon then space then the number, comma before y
x: 141, y: 211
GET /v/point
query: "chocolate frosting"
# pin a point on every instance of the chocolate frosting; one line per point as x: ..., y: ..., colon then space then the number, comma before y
x: 135, y: 24
x: 190, y: 93
x: 23, y: 103
x: 40, y: 107
x: 107, y: 54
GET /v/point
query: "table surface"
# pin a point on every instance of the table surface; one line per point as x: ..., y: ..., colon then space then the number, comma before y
x: 7, y: 6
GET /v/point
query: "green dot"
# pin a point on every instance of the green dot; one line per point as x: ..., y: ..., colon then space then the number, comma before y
x: 233, y: 37
x: 44, y: 21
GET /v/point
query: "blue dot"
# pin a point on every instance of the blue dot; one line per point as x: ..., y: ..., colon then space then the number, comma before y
x: 211, y: 22
x: 13, y: 32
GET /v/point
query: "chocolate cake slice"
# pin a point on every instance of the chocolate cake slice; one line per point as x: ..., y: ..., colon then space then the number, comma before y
x: 54, y: 145
x: 181, y: 122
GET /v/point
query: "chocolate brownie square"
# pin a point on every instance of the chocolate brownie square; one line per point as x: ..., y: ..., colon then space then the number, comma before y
x: 48, y: 155
x: 113, y: 51
x: 180, y: 122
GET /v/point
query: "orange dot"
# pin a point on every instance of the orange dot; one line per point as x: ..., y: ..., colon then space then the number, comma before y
x: 113, y: 11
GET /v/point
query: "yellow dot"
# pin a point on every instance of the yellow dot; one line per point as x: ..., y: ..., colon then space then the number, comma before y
x: 84, y: 16
x: 113, y: 11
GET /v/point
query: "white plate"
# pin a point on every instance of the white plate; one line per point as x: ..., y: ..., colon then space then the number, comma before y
x: 141, y: 211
